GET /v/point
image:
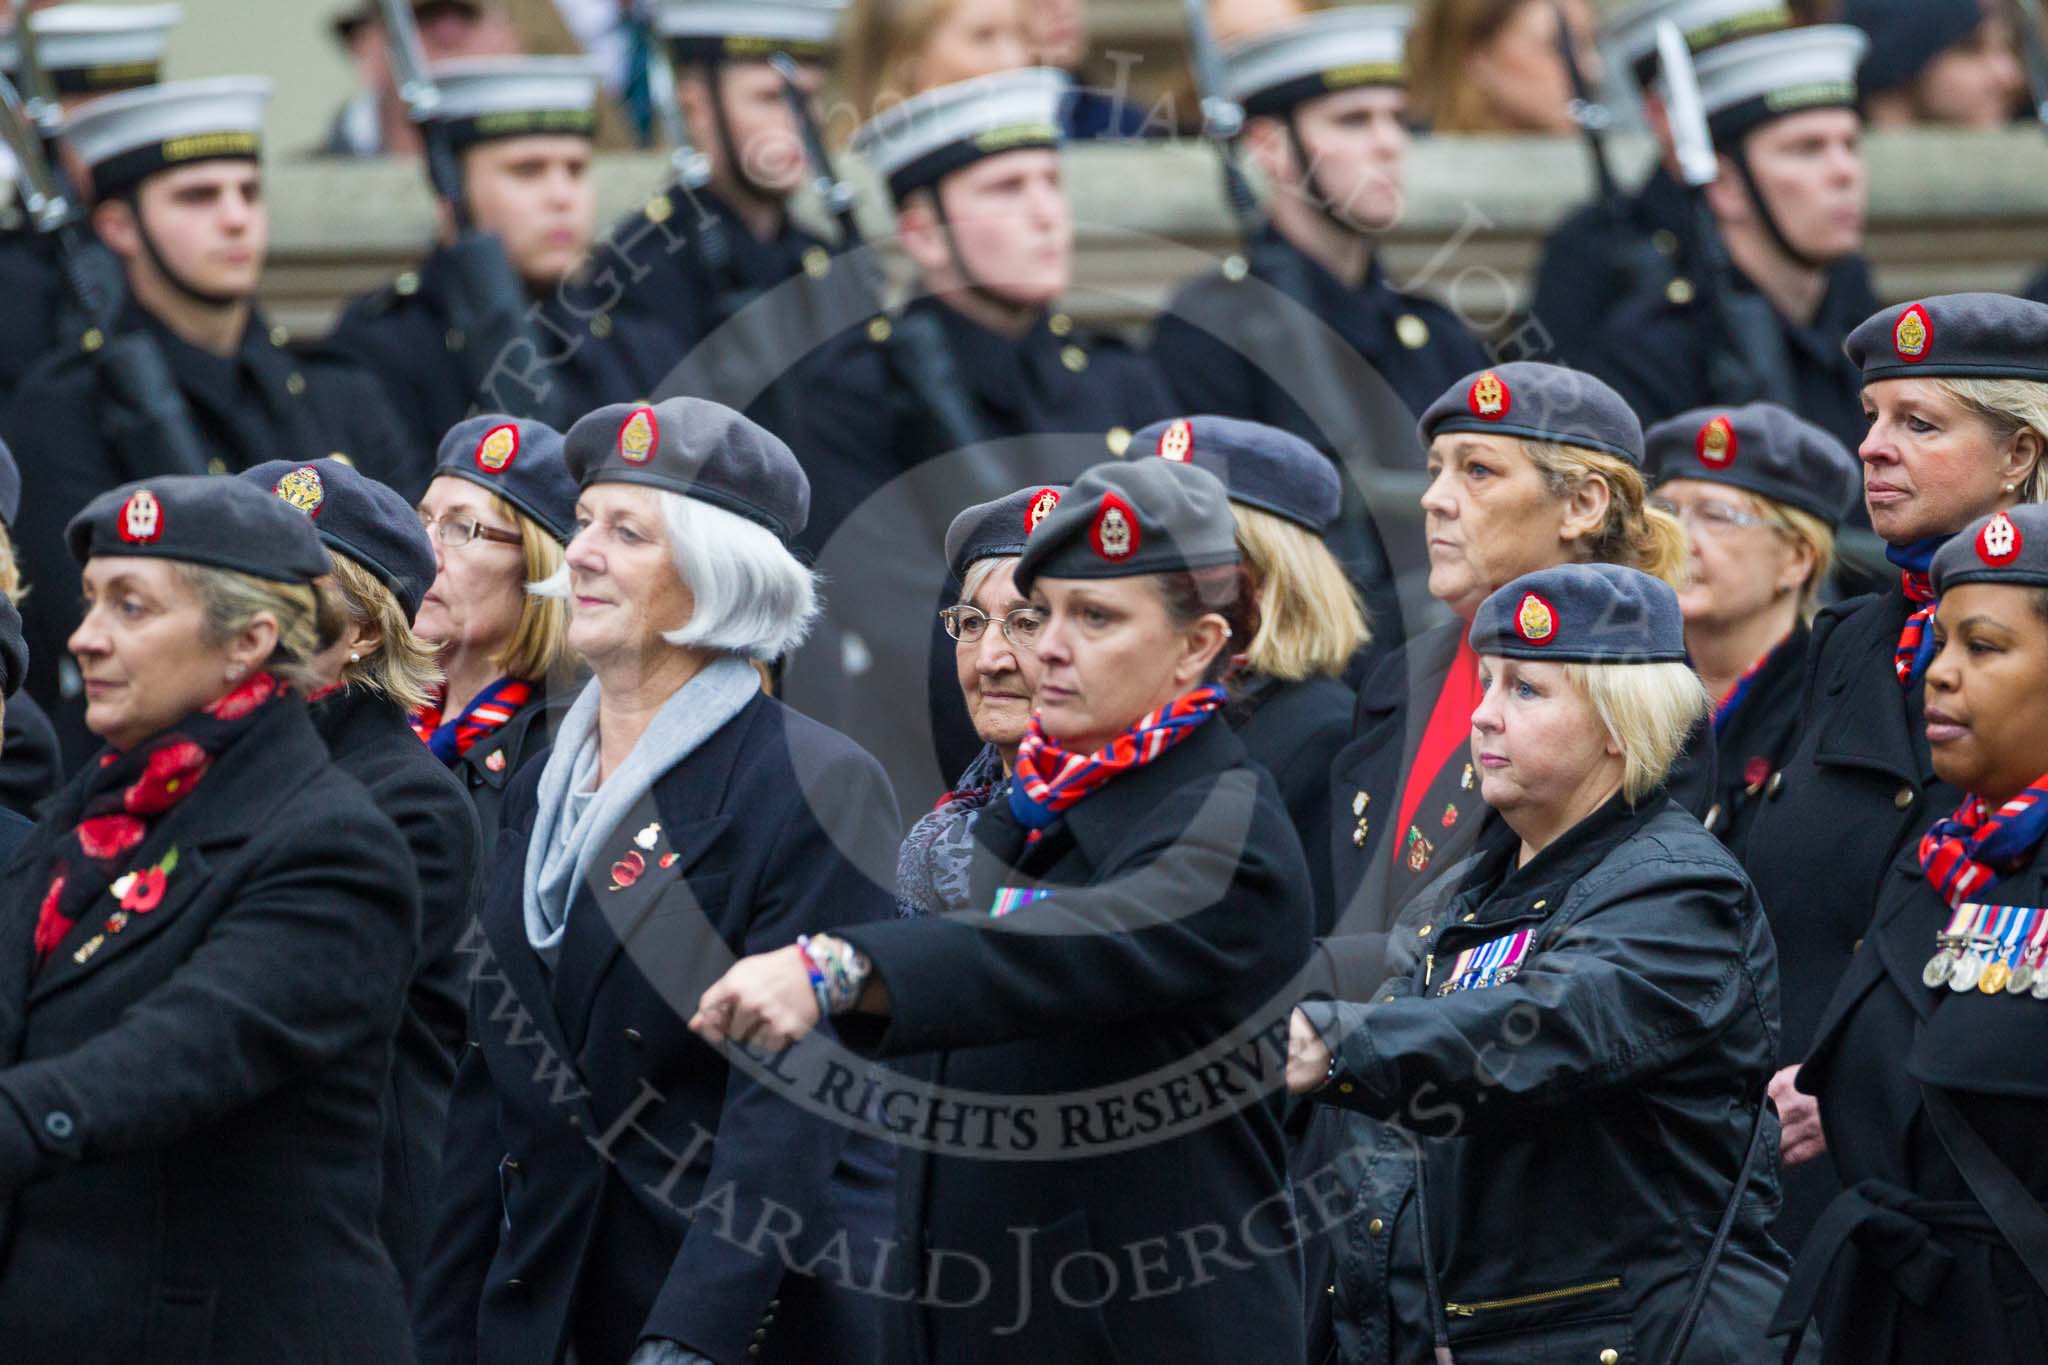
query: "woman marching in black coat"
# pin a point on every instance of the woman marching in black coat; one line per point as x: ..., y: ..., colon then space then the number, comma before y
x: 1115, y: 1012
x: 204, y: 951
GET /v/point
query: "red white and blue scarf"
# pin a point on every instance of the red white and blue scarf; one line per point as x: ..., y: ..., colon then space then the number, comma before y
x: 1050, y: 780
x: 491, y: 708
x: 1916, y: 640
x: 1970, y: 850
x: 1725, y: 709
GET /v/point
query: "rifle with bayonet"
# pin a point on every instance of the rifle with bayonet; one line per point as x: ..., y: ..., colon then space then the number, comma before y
x: 1640, y: 264
x: 487, y: 304
x: 916, y: 349
x: 145, y: 419
x: 1749, y: 361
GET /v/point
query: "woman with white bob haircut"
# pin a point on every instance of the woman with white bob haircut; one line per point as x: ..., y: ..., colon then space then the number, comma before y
x: 682, y: 819
x: 1592, y: 1027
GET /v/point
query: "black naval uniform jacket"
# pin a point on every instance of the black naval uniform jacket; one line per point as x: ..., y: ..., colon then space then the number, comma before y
x: 371, y: 742
x: 606, y: 1172
x: 1858, y: 788
x: 200, y: 1096
x: 590, y: 354
x: 1658, y: 356
x: 1594, y: 259
x: 1962, y: 1294
x: 487, y: 770
x: 1758, y: 739
x: 1291, y: 730
x: 263, y: 403
x: 29, y: 766
x: 1175, y: 917
x: 1581, y: 1124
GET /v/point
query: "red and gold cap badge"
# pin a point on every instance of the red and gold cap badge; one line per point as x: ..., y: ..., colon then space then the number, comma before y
x: 1999, y: 543
x: 1040, y: 508
x: 1913, y: 333
x: 1115, y: 533
x: 499, y: 447
x: 1489, y: 397
x: 637, y: 436
x: 302, y: 490
x: 1535, y: 620
x: 1177, y: 442
x: 142, y: 517
x: 1716, y: 443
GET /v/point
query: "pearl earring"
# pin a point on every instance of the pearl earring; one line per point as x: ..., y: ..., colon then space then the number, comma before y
x: 2008, y: 488
x: 234, y: 672
x: 354, y: 657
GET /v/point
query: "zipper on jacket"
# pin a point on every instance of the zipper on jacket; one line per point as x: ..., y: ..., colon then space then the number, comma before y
x: 1466, y: 1310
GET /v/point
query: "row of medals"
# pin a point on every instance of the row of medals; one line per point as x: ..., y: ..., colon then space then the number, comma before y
x: 1965, y: 961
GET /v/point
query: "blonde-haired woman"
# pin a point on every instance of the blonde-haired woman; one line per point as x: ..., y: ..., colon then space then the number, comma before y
x: 1497, y: 66
x: 1761, y: 493
x: 30, y: 767
x: 204, y: 951
x: 1591, y: 1027
x: 898, y: 48
x: 1531, y: 466
x: 1956, y: 389
x: 499, y: 511
x: 363, y: 688
x: 1288, y: 701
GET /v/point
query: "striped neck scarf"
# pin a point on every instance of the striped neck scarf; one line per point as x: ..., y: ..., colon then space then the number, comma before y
x: 491, y: 708
x: 1050, y: 780
x: 1916, y: 640
x: 1970, y: 850
x: 1725, y: 709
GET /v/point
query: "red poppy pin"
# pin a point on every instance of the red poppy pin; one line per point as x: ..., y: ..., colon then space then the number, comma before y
x: 1716, y: 443
x: 1115, y: 534
x: 495, y: 452
x: 1177, y: 442
x: 637, y: 435
x: 142, y: 517
x: 2000, y: 542
x: 495, y: 760
x: 142, y: 891
x: 1755, y: 772
x: 1041, y: 507
x: 627, y: 870
x: 1536, y: 620
x: 1489, y: 397
x: 1913, y: 334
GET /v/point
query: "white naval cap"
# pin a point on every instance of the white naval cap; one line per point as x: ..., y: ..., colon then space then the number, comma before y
x: 929, y: 136
x: 483, y: 98
x: 1630, y: 35
x: 129, y: 136
x: 748, y: 30
x: 1755, y: 80
x: 96, y: 49
x: 1333, y: 49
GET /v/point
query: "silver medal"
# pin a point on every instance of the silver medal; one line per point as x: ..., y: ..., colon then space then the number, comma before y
x: 1935, y: 973
x: 1969, y: 967
x: 2021, y: 978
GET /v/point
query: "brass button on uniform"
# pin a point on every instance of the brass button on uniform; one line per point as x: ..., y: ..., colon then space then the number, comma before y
x: 1775, y: 785
x: 406, y: 285
x: 1411, y: 331
x: 1118, y: 439
x: 280, y: 334
x: 1423, y: 932
x: 1609, y: 1356
x: 1713, y: 819
x: 1375, y: 1227
x: 1386, y: 1000
x: 1345, y: 1087
x: 295, y: 383
x: 879, y: 330
x: 659, y: 208
x: 633, y: 1035
x: 1059, y: 324
x: 1468, y: 917
x: 817, y: 262
x: 1680, y: 292
x: 1905, y: 797
x: 601, y: 326
x: 93, y: 339
x: 1539, y: 905
x: 1358, y: 837
x: 1074, y: 358
x: 216, y: 465
x: 1234, y: 268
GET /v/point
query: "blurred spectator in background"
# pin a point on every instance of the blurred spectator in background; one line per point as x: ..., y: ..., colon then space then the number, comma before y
x: 1952, y: 62
x: 899, y: 48
x: 1497, y: 66
x: 1058, y: 34
x: 374, y: 122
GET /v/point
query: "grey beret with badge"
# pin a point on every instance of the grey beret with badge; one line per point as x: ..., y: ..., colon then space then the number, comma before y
x: 1332, y: 49
x: 96, y: 49
x: 1582, y: 613
x: 1630, y: 34
x: 1538, y: 402
x: 1954, y: 336
x: 359, y: 517
x: 2005, y: 547
x: 999, y: 529
x: 1763, y: 449
x: 748, y: 30
x: 915, y: 144
x: 1747, y: 83
x: 1131, y: 517
x: 701, y: 449
x: 1260, y: 466
x: 200, y: 519
x: 488, y: 98
x: 127, y: 137
x: 519, y: 460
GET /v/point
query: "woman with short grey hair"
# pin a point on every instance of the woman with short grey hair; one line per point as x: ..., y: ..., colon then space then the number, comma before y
x: 683, y: 818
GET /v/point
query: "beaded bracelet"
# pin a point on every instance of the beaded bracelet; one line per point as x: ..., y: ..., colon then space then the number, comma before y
x: 837, y: 969
x: 803, y: 944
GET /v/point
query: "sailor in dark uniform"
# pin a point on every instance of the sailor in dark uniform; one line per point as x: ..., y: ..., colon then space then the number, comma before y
x: 1789, y: 205
x: 1926, y: 1067
x: 87, y: 51
x: 522, y: 127
x: 1325, y: 100
x: 1611, y: 249
x: 1761, y: 494
x: 1860, y: 786
x: 180, y: 203
x: 979, y: 386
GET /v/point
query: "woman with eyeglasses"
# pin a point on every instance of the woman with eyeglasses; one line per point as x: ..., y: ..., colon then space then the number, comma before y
x: 500, y: 509
x: 1761, y: 494
x: 995, y: 638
